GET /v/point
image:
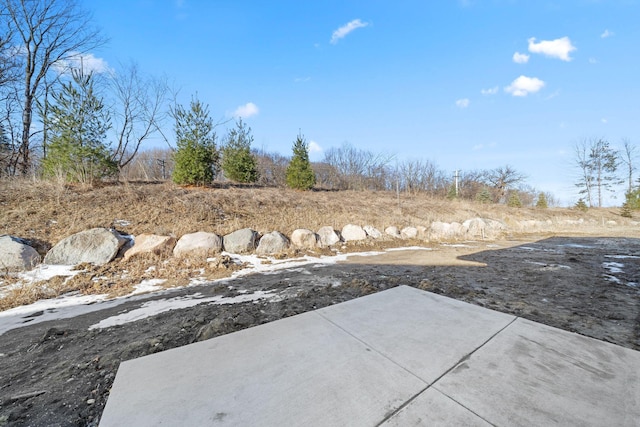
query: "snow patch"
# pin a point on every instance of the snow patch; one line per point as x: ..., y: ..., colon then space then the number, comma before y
x: 153, y: 308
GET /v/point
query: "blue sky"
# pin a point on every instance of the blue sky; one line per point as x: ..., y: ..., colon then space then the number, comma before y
x: 472, y: 84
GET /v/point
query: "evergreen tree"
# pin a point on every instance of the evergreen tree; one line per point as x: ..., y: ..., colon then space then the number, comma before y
x: 581, y: 205
x: 78, y: 126
x: 300, y: 175
x: 625, y: 210
x: 632, y: 199
x: 196, y: 156
x: 514, y: 200
x: 238, y: 164
x: 484, y: 196
x: 542, y: 201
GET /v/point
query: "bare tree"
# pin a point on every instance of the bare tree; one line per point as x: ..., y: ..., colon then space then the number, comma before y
x: 628, y: 158
x: 598, y: 164
x: 583, y: 163
x: 358, y: 169
x: 139, y: 111
x: 421, y: 176
x: 48, y: 32
x: 503, y: 179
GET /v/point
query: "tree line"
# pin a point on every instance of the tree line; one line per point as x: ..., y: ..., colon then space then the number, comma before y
x: 62, y: 119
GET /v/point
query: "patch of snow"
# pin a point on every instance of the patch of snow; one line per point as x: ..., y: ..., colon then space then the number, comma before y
x: 457, y: 245
x: 622, y: 256
x: 46, y: 272
x: 576, y: 245
x: 153, y: 308
x: 613, y: 279
x: 613, y: 267
x: 121, y: 222
x: 146, y: 286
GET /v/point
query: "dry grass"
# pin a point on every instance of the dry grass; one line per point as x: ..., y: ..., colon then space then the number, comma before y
x: 45, y: 212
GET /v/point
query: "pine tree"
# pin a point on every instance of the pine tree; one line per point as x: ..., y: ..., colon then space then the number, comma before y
x: 514, y: 200
x: 625, y: 210
x: 632, y: 199
x: 196, y: 156
x: 542, y: 201
x: 581, y: 205
x: 484, y: 196
x: 78, y: 126
x: 238, y: 164
x: 300, y: 175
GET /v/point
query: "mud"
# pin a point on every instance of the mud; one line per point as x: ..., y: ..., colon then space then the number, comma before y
x: 59, y: 373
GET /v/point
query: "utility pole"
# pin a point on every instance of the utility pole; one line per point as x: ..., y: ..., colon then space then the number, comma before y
x: 456, y: 176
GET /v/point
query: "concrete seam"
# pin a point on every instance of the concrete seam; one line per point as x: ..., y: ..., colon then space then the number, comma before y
x: 371, y: 347
x: 468, y: 409
x: 388, y: 417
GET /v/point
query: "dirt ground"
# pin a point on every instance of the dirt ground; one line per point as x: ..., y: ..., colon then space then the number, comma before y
x: 59, y: 373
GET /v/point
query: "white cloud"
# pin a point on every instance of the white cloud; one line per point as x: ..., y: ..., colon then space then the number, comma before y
x: 87, y: 62
x: 606, y: 34
x: 520, y: 58
x: 314, y: 147
x: 523, y: 85
x: 247, y: 110
x: 604, y: 120
x: 346, y: 29
x: 301, y: 79
x: 593, y: 61
x: 463, y: 103
x: 490, y: 91
x: 558, y: 48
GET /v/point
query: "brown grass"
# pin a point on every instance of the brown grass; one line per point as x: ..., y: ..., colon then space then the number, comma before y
x: 45, y: 212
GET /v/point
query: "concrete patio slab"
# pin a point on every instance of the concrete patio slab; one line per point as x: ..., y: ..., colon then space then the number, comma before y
x: 396, y: 358
x: 532, y: 374
x: 423, y: 332
x: 302, y: 370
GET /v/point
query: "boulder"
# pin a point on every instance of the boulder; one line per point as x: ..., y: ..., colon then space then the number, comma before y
x: 241, y: 241
x: 372, y: 231
x: 151, y: 244
x: 200, y: 244
x: 475, y: 227
x: 327, y: 236
x: 97, y: 246
x: 393, y: 232
x: 304, y: 239
x: 409, y: 233
x: 16, y: 255
x: 272, y: 243
x: 445, y: 231
x: 353, y: 232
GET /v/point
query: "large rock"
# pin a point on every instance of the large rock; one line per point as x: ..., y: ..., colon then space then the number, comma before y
x: 151, y: 244
x: 327, y: 236
x: 304, y: 239
x: 97, y: 246
x: 488, y: 228
x: 372, y: 232
x: 351, y: 232
x: 272, y: 243
x: 393, y: 232
x: 445, y: 231
x: 409, y: 233
x: 241, y: 241
x: 16, y: 255
x: 200, y: 244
